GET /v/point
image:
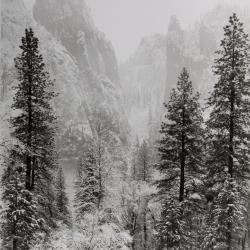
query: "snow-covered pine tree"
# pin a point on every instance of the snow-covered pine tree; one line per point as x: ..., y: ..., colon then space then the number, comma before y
x: 226, y: 210
x: 171, y: 226
x: 134, y: 160
x: 180, y: 152
x: 104, y: 143
x: 34, y: 123
x: 144, y: 162
x: 62, y: 201
x: 19, y: 220
x: 229, y: 120
x: 87, y: 184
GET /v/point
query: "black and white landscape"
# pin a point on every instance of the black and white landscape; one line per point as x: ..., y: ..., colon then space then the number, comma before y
x: 125, y: 125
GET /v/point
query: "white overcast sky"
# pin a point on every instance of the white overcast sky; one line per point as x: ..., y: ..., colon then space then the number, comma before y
x: 125, y: 22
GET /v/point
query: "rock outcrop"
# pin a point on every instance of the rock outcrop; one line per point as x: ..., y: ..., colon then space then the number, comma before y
x: 77, y: 55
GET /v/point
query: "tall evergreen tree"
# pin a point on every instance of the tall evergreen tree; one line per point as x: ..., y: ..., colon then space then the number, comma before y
x: 144, y: 162
x: 33, y: 126
x: 229, y: 101
x: 87, y: 184
x: 171, y: 227
x: 180, y: 154
x: 229, y: 120
x: 104, y: 142
x: 225, y: 218
x: 20, y: 219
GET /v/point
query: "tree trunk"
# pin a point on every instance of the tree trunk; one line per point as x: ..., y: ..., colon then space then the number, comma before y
x: 231, y: 133
x: 183, y: 156
x: 231, y: 125
x: 144, y: 170
x: 14, y: 247
x: 29, y: 139
x: 99, y: 175
x: 145, y: 229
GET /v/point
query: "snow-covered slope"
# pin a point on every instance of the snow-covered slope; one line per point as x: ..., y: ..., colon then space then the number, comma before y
x: 71, y: 24
x: 79, y: 58
x: 63, y: 68
x: 77, y: 55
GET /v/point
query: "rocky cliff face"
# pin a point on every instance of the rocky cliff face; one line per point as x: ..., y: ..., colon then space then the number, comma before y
x: 77, y: 55
x: 70, y: 22
x: 15, y: 18
x: 194, y: 48
x: 143, y: 82
x: 152, y: 71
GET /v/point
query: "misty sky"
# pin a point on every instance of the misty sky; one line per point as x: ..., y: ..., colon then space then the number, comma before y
x: 125, y: 22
